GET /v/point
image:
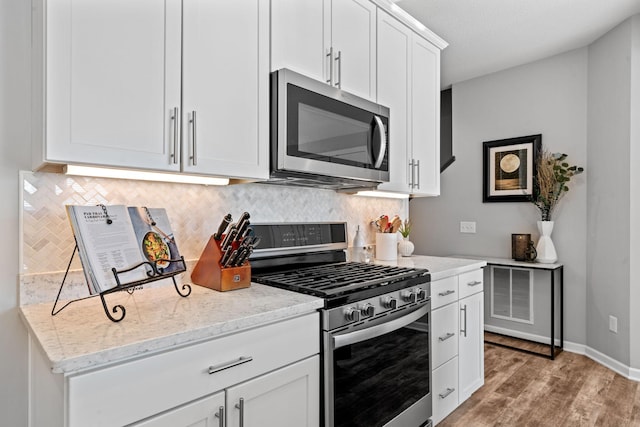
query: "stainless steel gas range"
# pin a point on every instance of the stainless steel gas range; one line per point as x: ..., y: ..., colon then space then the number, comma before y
x: 375, y: 324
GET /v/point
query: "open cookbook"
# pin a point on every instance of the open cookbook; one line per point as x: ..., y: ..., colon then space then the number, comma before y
x: 121, y: 237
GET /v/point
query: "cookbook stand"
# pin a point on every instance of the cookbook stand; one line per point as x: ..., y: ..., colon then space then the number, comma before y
x: 154, y: 273
x: 209, y: 273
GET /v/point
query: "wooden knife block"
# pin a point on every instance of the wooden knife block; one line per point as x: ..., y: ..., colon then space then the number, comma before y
x: 209, y: 273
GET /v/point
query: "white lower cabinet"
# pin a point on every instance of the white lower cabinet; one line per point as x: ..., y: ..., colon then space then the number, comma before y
x: 203, y: 412
x: 457, y: 340
x: 274, y: 369
x: 287, y: 397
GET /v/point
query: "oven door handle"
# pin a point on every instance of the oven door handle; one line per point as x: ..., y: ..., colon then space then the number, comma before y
x: 341, y: 340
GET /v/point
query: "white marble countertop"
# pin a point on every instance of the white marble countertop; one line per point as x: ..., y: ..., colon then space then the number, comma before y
x: 439, y: 267
x: 157, y: 319
x: 81, y: 336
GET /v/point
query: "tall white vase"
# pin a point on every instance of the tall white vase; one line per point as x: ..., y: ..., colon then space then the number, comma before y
x: 545, y: 248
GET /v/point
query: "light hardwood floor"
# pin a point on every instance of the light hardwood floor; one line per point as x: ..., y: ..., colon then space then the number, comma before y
x: 527, y: 390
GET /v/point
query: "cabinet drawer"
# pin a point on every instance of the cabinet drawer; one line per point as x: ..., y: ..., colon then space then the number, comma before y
x: 445, y: 390
x: 444, y: 291
x: 444, y: 334
x: 128, y: 392
x: 471, y: 283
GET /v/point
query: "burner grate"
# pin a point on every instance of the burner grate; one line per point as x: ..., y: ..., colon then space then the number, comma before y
x: 333, y: 279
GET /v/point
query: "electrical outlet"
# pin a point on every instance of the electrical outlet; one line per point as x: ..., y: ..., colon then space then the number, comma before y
x: 613, y: 324
x: 467, y: 226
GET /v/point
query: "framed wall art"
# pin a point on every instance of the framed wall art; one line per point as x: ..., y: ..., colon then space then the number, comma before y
x: 509, y: 167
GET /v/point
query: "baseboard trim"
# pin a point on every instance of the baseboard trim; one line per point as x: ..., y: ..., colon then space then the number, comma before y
x: 522, y: 335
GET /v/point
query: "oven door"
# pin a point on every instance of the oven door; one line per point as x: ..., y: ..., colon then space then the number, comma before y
x: 378, y: 374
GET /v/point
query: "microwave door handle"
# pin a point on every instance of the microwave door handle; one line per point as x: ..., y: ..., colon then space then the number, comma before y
x: 381, y: 329
x: 383, y: 142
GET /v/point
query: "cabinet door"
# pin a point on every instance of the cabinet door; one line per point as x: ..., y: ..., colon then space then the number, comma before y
x: 225, y: 88
x: 394, y: 62
x: 353, y: 38
x: 444, y: 334
x: 471, y: 345
x: 288, y: 397
x: 298, y: 37
x: 205, y: 412
x: 425, y: 116
x: 112, y: 80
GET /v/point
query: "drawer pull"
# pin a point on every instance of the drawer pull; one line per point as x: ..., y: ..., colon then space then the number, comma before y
x: 474, y: 283
x: 446, y: 336
x: 447, y: 292
x: 446, y: 393
x: 227, y: 365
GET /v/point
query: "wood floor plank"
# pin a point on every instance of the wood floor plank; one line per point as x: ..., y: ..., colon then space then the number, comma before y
x: 526, y: 390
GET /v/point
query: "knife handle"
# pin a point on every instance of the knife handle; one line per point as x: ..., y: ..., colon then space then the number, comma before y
x: 226, y: 242
x: 226, y: 254
x: 223, y: 226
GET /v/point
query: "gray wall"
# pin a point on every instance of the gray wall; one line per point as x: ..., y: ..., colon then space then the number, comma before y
x: 14, y: 155
x: 547, y: 97
x: 612, y: 257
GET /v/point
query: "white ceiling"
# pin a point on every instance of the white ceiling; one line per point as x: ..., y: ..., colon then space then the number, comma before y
x: 485, y: 36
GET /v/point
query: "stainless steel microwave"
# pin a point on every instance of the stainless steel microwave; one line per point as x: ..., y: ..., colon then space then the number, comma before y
x: 322, y: 136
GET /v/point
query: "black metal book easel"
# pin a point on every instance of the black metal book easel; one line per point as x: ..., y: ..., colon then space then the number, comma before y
x: 154, y: 272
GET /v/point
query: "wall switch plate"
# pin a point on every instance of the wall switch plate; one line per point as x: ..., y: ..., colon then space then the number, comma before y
x: 467, y: 226
x: 613, y: 324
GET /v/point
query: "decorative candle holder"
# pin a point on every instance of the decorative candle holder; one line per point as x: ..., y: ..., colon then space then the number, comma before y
x: 520, y: 247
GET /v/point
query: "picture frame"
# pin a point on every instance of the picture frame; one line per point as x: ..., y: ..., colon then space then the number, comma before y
x: 509, y: 168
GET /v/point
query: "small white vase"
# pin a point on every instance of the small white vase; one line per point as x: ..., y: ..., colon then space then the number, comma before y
x: 405, y: 247
x: 545, y: 248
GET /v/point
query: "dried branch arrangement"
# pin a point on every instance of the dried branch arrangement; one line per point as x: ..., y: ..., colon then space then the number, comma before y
x: 551, y: 182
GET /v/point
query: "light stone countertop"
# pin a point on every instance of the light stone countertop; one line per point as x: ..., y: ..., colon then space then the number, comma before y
x: 439, y: 267
x: 81, y: 336
x: 158, y: 319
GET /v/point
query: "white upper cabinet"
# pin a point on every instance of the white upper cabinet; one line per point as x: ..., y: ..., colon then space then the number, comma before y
x: 394, y: 91
x: 409, y: 84
x: 353, y: 42
x: 332, y: 41
x: 425, y: 117
x: 107, y: 74
x: 225, y: 88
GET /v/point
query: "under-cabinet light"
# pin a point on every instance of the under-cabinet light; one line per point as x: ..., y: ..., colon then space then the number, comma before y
x: 143, y: 175
x: 382, y: 194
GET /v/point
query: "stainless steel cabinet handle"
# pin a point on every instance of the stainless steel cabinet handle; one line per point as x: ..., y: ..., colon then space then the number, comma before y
x: 464, y: 331
x: 447, y: 292
x: 220, y: 416
x: 446, y: 393
x: 221, y: 367
x: 417, y: 164
x: 194, y: 155
x: 411, y: 174
x: 446, y: 336
x: 330, y: 59
x: 176, y: 134
x: 240, y: 406
x: 474, y: 283
x: 338, y: 59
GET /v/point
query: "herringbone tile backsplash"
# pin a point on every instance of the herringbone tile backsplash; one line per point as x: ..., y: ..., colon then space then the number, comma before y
x: 195, y: 211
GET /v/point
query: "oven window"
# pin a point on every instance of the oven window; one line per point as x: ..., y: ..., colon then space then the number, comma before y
x: 377, y: 379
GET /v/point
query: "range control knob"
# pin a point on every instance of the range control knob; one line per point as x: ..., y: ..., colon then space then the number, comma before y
x: 389, y: 302
x: 409, y: 296
x: 352, y: 314
x: 421, y: 294
x: 367, y: 310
